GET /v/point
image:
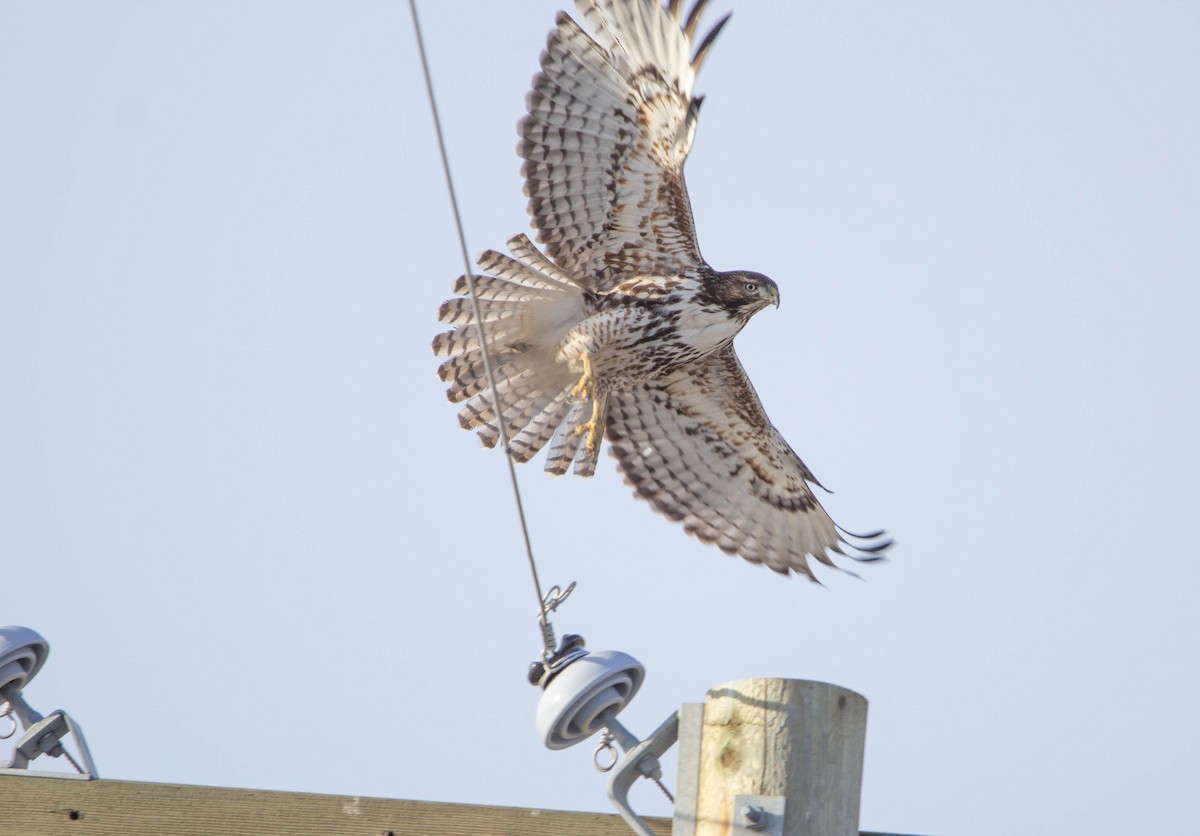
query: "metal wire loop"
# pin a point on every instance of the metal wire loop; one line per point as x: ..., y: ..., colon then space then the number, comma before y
x: 555, y: 595
x: 8, y: 712
x: 605, y: 745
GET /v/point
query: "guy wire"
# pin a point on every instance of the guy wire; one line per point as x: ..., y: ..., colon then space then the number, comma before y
x: 547, y: 633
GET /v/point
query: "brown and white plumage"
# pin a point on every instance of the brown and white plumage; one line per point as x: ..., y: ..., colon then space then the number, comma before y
x: 624, y: 331
x: 611, y: 118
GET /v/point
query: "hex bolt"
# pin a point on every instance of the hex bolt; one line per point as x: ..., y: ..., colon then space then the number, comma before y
x: 755, y: 817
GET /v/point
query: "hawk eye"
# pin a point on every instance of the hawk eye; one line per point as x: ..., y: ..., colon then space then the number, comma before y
x: 751, y: 286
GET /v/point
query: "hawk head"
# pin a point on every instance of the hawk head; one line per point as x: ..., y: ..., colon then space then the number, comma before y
x: 743, y: 292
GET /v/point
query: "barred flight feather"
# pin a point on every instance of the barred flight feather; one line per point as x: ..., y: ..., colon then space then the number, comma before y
x: 699, y: 447
x: 621, y: 96
x: 619, y: 329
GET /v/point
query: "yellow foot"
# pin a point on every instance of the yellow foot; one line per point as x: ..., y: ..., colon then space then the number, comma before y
x: 591, y: 428
x: 583, y: 389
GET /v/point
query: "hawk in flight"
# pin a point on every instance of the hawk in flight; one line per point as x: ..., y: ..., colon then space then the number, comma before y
x: 620, y: 330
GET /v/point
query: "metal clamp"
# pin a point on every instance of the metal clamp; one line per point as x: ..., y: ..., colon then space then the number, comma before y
x: 641, y: 760
x: 43, y: 736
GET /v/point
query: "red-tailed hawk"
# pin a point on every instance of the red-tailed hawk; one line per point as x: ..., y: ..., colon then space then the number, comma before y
x: 622, y: 330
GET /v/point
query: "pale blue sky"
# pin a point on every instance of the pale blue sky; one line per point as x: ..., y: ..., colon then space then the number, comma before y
x: 233, y: 497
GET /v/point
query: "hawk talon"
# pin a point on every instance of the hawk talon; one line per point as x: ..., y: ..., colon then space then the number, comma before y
x: 593, y: 437
x: 592, y: 430
x: 592, y: 427
x: 583, y: 388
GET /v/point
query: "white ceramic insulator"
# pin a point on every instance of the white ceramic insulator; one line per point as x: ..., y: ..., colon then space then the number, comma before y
x: 22, y: 654
x: 570, y: 707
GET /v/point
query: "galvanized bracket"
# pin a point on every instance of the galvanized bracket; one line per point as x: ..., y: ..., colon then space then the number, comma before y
x: 757, y: 815
x: 44, y: 737
x: 641, y: 760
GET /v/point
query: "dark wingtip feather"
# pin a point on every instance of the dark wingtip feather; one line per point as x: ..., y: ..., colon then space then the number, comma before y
x: 706, y: 44
x: 872, y: 544
x: 693, y: 18
x: 812, y: 577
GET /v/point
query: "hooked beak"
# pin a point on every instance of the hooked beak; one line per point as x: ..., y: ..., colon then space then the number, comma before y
x: 775, y: 296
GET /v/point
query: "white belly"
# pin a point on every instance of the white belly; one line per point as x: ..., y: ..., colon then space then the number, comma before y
x: 631, y: 344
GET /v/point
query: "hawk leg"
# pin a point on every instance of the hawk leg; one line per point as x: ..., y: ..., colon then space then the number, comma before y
x: 583, y: 389
x: 592, y: 427
x: 586, y: 389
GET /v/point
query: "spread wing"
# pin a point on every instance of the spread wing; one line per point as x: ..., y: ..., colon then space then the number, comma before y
x: 610, y: 123
x: 699, y: 447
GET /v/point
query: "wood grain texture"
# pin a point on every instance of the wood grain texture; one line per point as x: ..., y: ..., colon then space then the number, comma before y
x: 56, y: 807
x: 798, y: 739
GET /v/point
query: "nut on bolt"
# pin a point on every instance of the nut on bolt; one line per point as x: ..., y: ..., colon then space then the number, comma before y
x: 755, y: 817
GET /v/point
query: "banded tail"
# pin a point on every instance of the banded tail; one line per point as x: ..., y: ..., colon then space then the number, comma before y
x: 527, y: 306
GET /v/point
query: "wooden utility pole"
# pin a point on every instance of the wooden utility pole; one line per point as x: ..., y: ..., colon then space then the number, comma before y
x: 782, y: 757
